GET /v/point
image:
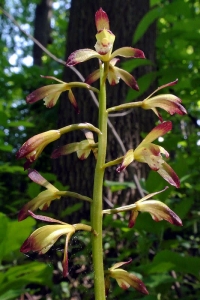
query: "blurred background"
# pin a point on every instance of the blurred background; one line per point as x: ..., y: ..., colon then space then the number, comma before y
x: 165, y: 257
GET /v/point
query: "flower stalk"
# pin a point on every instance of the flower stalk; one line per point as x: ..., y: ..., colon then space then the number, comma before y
x: 96, y: 205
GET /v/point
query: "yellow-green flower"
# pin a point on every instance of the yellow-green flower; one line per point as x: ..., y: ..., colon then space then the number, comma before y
x: 82, y: 148
x: 43, y: 199
x: 168, y: 102
x: 149, y: 153
x: 105, y: 39
x: 158, y: 211
x: 43, y: 238
x: 124, y: 278
x: 32, y: 148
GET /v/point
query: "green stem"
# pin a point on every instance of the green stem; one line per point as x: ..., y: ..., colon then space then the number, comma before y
x: 113, y: 162
x: 74, y: 195
x: 124, y: 106
x: 79, y: 126
x: 97, y: 203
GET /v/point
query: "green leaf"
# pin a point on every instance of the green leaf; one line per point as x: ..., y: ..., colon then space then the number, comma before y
x: 71, y: 209
x: 144, y: 24
x: 168, y: 260
x: 14, y: 233
x: 21, y: 123
x: 118, y: 186
x: 3, y: 119
x: 11, y: 294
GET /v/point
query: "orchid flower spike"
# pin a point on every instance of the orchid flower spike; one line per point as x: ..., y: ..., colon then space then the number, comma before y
x: 105, y: 39
x: 32, y: 148
x: 149, y: 153
x: 43, y: 199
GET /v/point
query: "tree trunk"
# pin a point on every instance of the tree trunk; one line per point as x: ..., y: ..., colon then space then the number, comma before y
x: 42, y: 29
x: 124, y: 18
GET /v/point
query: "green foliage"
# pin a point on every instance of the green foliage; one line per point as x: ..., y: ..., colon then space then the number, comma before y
x: 16, y: 274
x: 157, y: 250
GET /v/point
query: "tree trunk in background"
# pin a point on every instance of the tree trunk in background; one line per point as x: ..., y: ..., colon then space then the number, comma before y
x: 124, y: 17
x: 42, y: 29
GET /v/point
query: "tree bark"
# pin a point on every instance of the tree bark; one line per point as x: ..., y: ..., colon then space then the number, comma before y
x: 124, y: 17
x: 42, y: 29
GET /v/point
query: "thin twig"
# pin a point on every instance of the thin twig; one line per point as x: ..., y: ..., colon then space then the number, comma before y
x: 60, y: 61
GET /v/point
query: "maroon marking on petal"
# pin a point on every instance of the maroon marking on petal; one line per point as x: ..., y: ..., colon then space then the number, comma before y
x: 175, y: 220
x: 45, y: 207
x: 27, y: 164
x: 120, y: 168
x: 26, y: 246
x: 71, y: 61
x: 139, y: 53
x: 101, y: 20
x: 123, y: 286
x: 142, y: 288
x: 65, y: 266
x: 56, y: 153
x: 23, y: 214
x: 82, y: 157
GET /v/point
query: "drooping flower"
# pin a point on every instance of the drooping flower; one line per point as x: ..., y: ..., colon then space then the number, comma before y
x: 32, y: 148
x: 158, y: 210
x: 82, y: 148
x: 51, y: 93
x: 124, y: 278
x: 168, y: 102
x: 105, y: 39
x: 43, y: 199
x: 43, y: 238
x: 149, y: 153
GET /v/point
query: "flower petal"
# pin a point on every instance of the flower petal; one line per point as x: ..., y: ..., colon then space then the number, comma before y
x: 132, y: 218
x: 37, y: 143
x: 168, y: 102
x: 93, y: 77
x: 42, y: 201
x: 119, y: 264
x: 125, y: 280
x: 159, y: 211
x: 42, y: 239
x: 51, y: 100
x: 37, y: 178
x: 127, y: 78
x: 128, y: 52
x: 113, y: 75
x: 101, y: 20
x: 73, y: 101
x: 45, y: 218
x: 65, y: 258
x: 65, y: 150
x: 81, y: 55
x: 128, y: 158
x: 169, y: 175
x: 158, y: 131
x: 45, y: 91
